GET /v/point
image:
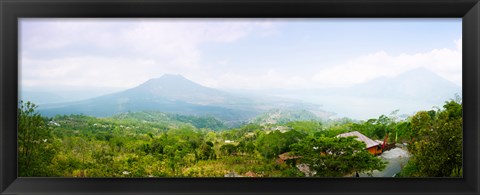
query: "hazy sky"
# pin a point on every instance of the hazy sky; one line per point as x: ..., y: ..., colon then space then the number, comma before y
x: 234, y: 53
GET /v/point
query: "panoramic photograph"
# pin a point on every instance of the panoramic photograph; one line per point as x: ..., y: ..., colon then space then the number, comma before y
x: 264, y: 97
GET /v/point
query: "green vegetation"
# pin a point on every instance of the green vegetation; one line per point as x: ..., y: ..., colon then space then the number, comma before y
x: 155, y: 144
x: 436, y: 142
x: 36, y: 148
x: 279, y: 116
x: 338, y: 156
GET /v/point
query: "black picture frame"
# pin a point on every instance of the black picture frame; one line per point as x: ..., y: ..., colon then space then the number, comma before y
x: 12, y: 10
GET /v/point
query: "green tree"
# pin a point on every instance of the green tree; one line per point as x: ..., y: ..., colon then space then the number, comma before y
x: 272, y: 144
x: 421, y: 123
x: 438, y: 150
x: 228, y: 149
x: 36, y: 146
x: 335, y: 157
x: 206, y: 151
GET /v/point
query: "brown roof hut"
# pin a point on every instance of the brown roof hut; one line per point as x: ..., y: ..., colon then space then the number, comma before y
x: 372, y: 146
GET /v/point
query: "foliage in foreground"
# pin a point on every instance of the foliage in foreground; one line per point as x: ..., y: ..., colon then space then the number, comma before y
x: 437, y: 148
x: 336, y: 157
x: 181, y: 146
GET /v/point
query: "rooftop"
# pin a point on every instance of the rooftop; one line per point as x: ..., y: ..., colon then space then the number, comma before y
x: 360, y: 137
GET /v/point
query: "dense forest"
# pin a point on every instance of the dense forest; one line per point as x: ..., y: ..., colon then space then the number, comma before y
x: 156, y: 144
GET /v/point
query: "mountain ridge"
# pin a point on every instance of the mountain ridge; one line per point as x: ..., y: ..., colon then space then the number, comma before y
x: 419, y: 88
x: 414, y: 84
x: 176, y: 94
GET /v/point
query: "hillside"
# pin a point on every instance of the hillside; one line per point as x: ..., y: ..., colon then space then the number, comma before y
x: 418, y: 84
x: 278, y: 116
x: 176, y: 94
x: 168, y: 118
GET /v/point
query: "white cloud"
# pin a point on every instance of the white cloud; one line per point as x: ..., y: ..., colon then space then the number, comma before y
x: 445, y: 62
x: 102, y: 52
x: 87, y: 72
x: 64, y: 51
x: 49, y: 34
x: 269, y: 79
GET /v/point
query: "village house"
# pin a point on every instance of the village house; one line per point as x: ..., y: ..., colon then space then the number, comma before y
x: 372, y: 146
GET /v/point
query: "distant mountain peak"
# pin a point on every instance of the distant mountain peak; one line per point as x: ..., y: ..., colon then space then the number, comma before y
x: 424, y: 76
x: 168, y: 80
x: 419, y: 72
x: 177, y: 87
x: 418, y: 84
x: 167, y: 76
x: 170, y: 77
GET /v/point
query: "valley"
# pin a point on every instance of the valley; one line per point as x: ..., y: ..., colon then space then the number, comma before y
x: 173, y: 127
x: 157, y: 144
x: 176, y: 94
x: 238, y: 97
x: 408, y: 92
